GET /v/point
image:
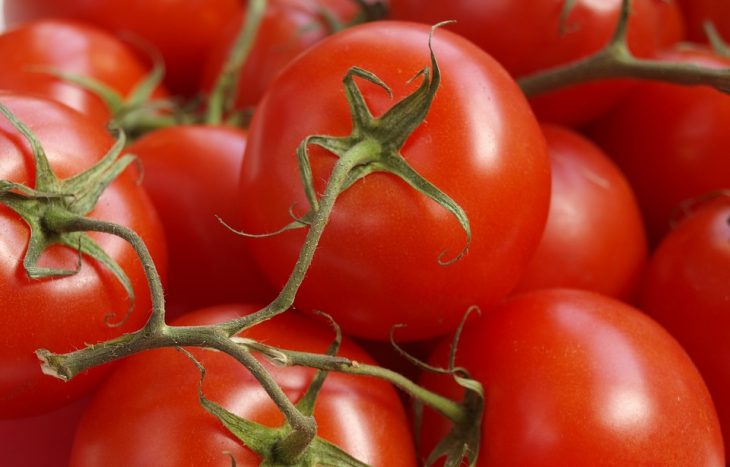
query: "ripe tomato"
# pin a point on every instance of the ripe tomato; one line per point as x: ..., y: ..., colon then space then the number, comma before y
x: 42, y: 439
x: 671, y: 141
x: 573, y: 378
x: 156, y: 394
x: 182, y: 30
x: 287, y: 28
x: 525, y: 37
x: 63, y: 313
x: 686, y: 290
x: 191, y: 174
x: 377, y: 262
x: 594, y: 238
x: 71, y: 47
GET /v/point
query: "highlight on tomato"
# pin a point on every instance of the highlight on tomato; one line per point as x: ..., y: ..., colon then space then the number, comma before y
x: 573, y: 377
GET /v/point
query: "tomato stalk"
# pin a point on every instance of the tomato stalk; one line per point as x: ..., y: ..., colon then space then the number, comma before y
x: 615, y: 60
x: 373, y: 146
x: 223, y: 95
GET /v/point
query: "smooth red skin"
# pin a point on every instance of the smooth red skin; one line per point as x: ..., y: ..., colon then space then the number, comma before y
x: 43, y: 439
x: 73, y: 47
x: 182, y: 30
x: 191, y: 175
x: 148, y: 412
x: 686, y: 290
x: 377, y: 262
x: 671, y: 141
x: 574, y: 378
x: 288, y: 28
x: 696, y: 12
x: 63, y: 314
x: 524, y: 36
x: 594, y: 238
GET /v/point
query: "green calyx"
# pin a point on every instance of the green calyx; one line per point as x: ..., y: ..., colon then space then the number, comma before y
x: 55, y: 209
x: 375, y: 142
x: 136, y: 114
x: 283, y: 446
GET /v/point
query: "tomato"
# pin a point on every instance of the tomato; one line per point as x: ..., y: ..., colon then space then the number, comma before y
x: 156, y: 394
x: 64, y: 313
x: 191, y: 174
x: 182, y: 30
x: 686, y: 290
x: 43, y: 439
x: 377, y: 263
x: 287, y: 28
x: 671, y: 141
x: 525, y: 36
x: 696, y: 12
x: 594, y: 238
x: 574, y: 378
x: 71, y: 47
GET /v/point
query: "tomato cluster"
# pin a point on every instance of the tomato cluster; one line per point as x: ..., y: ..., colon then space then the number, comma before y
x: 356, y: 158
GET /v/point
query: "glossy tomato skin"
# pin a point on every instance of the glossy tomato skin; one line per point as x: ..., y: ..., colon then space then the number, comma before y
x: 363, y: 416
x: 191, y: 174
x: 533, y: 40
x: 671, y: 141
x: 287, y: 28
x: 686, y: 290
x: 71, y: 47
x: 182, y: 30
x: 377, y: 262
x: 574, y: 378
x: 63, y: 314
x: 594, y: 238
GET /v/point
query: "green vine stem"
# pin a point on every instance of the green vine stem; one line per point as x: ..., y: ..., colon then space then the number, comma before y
x: 616, y: 61
x: 83, y: 224
x: 282, y: 357
x: 224, y: 91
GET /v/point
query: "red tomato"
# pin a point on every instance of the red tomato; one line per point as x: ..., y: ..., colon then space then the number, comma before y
x: 696, y: 12
x: 288, y: 27
x: 71, y: 47
x: 573, y: 378
x: 594, y: 238
x: 43, y: 439
x: 182, y: 30
x: 191, y: 174
x: 62, y: 314
x: 671, y: 141
x: 363, y: 416
x: 525, y: 37
x: 377, y: 262
x: 686, y: 290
